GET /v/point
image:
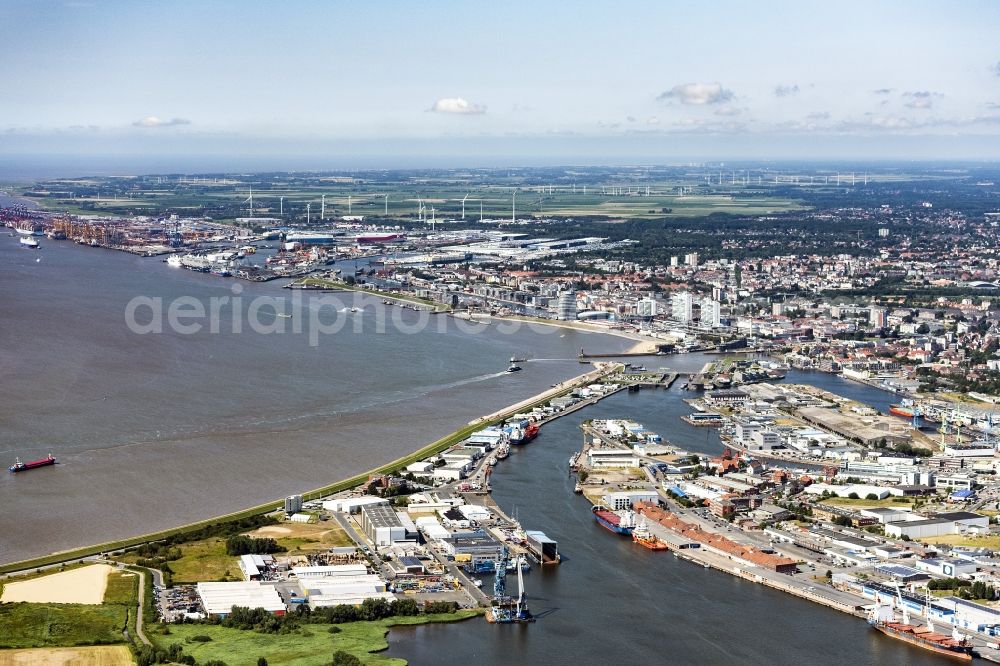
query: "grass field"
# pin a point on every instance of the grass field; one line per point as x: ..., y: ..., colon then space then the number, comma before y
x: 303, y: 538
x: 310, y: 646
x: 962, y: 540
x: 680, y: 206
x: 98, y: 655
x: 122, y: 588
x: 205, y: 560
x: 24, y: 625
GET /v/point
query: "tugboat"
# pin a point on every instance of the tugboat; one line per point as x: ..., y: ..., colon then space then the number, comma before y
x: 513, y: 367
x: 642, y: 536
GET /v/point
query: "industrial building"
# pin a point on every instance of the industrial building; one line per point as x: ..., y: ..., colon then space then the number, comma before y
x: 330, y: 571
x: 384, y: 526
x: 473, y: 548
x: 612, y: 458
x: 343, y: 590
x: 254, y: 567
x: 353, y: 504
x: 218, y: 599
x: 949, y: 568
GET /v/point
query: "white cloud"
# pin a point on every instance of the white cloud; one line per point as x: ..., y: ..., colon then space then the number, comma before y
x: 457, y: 105
x: 652, y: 120
x: 818, y: 115
x: 996, y: 68
x: 729, y: 111
x: 153, y: 121
x: 785, y: 91
x: 882, y: 91
x: 698, y: 94
x: 921, y: 99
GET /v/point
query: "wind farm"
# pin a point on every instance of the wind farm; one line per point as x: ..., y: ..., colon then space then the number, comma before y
x: 500, y: 195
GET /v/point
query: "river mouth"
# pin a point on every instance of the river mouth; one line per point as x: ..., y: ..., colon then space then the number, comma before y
x: 154, y: 430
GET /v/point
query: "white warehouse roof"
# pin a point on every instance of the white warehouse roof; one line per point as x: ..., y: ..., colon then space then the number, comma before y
x: 219, y: 598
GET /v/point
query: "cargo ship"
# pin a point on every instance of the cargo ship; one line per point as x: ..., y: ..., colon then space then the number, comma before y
x: 619, y: 523
x: 882, y: 618
x: 642, y: 536
x: 520, y: 432
x: 906, y: 411
x: 19, y: 466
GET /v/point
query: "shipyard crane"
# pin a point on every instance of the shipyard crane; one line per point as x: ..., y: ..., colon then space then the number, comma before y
x: 505, y: 610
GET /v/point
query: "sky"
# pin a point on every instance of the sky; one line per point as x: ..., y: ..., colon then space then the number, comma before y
x: 322, y: 83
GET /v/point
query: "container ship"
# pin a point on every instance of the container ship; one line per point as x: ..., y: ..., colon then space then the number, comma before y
x: 619, y: 523
x: 19, y: 466
x: 882, y: 618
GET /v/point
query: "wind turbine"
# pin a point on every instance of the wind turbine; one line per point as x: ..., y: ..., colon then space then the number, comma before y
x: 281, y: 206
x: 463, y: 205
x: 308, y: 212
x: 513, y: 207
x: 386, y: 204
x: 348, y: 204
x: 249, y: 200
x: 322, y: 207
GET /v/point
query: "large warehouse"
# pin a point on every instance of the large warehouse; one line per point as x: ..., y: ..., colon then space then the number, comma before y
x: 385, y: 527
x: 218, y: 599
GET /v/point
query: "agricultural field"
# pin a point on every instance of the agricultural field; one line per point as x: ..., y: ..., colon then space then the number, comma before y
x: 83, y: 585
x: 313, y: 644
x: 486, y: 196
x: 98, y: 655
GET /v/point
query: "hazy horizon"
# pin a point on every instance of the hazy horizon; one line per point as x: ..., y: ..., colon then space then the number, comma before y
x: 384, y: 84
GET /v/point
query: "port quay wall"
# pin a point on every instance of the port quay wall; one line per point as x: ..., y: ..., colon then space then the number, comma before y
x: 431, y: 449
x: 745, y: 570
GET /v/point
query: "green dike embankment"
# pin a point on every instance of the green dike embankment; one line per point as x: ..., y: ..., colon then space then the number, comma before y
x: 339, y: 285
x: 429, y: 450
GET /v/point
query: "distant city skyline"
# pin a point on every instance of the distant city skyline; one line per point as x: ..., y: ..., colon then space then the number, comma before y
x: 314, y: 84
